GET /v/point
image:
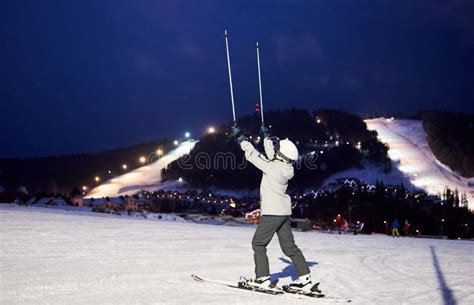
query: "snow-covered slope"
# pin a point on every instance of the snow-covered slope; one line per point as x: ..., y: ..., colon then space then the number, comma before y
x: 52, y: 257
x: 372, y: 173
x: 414, y: 164
x: 145, y: 177
x: 409, y: 147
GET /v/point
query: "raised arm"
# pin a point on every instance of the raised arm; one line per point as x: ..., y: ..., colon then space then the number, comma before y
x: 269, y: 150
x: 255, y: 157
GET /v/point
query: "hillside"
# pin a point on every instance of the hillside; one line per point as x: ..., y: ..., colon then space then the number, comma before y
x: 147, y: 177
x: 328, y: 141
x: 409, y: 149
x: 64, y: 258
x: 60, y: 174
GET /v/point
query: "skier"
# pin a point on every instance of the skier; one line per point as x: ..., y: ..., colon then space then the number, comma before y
x: 275, y: 207
x: 406, y: 228
x: 395, y: 226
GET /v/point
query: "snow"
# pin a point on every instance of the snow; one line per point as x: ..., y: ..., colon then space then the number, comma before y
x: 408, y: 146
x: 60, y: 257
x: 147, y: 177
x: 370, y: 174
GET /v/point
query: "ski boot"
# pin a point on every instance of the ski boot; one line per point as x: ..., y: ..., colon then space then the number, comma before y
x: 263, y: 284
x: 303, y: 285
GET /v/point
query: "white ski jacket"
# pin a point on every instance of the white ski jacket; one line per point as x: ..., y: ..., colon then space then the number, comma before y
x: 273, y: 197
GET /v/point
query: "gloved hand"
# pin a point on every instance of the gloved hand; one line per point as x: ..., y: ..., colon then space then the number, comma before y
x: 235, y: 131
x: 241, y: 138
x: 264, y: 132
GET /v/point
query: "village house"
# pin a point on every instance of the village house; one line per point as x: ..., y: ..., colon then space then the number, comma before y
x: 130, y: 204
x: 77, y: 201
x: 108, y: 203
x: 47, y: 201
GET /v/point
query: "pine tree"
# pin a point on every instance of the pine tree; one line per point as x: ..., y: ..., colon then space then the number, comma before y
x: 464, y: 202
x: 456, y: 198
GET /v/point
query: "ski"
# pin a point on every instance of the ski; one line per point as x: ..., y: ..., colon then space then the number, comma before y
x: 239, y: 285
x: 313, y: 293
x: 276, y: 291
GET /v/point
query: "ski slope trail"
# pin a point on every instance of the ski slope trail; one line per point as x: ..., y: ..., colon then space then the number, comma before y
x: 52, y: 257
x: 408, y: 146
x: 147, y: 177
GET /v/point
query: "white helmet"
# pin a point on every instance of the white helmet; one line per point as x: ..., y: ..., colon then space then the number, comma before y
x: 287, y: 151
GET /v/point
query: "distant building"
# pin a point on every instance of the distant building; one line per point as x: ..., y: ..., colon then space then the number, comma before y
x: 122, y: 203
x: 253, y: 216
x: 77, y: 201
x: 109, y: 204
x: 48, y: 201
x: 76, y: 198
x: 130, y: 204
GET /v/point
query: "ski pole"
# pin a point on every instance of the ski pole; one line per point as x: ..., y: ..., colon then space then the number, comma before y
x: 230, y: 77
x: 260, y: 83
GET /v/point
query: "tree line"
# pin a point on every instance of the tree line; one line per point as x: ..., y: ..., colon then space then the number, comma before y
x: 59, y: 174
x: 450, y: 137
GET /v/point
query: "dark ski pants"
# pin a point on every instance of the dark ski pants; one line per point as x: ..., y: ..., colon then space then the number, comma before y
x: 267, y: 227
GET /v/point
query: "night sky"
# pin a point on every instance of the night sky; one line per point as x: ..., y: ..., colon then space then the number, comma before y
x: 82, y: 76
